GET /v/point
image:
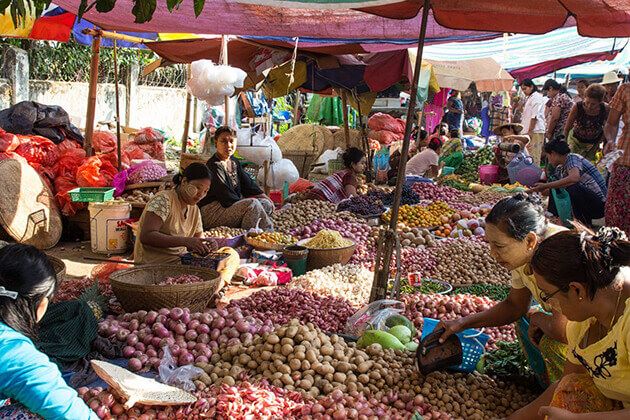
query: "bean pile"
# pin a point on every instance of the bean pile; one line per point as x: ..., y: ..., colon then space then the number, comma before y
x: 364, y: 205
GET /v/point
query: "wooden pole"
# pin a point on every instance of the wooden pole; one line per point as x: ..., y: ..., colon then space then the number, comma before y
x: 296, y: 108
x: 91, y: 105
x: 114, y: 36
x: 381, y: 271
x: 224, y: 61
x: 187, y: 115
x: 346, y: 128
x: 118, y: 139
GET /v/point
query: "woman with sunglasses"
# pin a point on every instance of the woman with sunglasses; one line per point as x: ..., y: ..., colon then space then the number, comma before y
x: 514, y: 228
x: 29, y: 378
x: 587, y: 278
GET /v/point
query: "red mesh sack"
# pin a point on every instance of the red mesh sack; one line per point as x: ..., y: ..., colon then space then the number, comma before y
x: 380, y: 121
x: 300, y: 185
x: 63, y: 184
x: 38, y: 149
x: 104, y: 142
x: 68, y: 144
x: 95, y: 172
x: 148, y: 135
x: 578, y: 394
x: 155, y: 150
x: 8, y: 142
x: 68, y: 162
x: 102, y: 271
x: 387, y: 137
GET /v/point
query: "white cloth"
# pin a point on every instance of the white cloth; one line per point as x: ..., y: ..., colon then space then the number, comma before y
x: 534, y: 108
x: 420, y: 163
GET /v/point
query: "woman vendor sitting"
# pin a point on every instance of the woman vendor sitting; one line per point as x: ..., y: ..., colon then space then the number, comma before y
x: 514, y: 228
x: 426, y: 163
x: 342, y: 184
x: 29, y: 378
x: 584, y: 183
x: 171, y: 221
x: 587, y: 278
x: 234, y: 199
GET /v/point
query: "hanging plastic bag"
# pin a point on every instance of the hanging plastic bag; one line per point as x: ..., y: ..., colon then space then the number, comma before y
x: 95, y: 172
x: 373, y: 316
x: 322, y: 160
x: 562, y: 201
x: 181, y: 377
x: 279, y: 173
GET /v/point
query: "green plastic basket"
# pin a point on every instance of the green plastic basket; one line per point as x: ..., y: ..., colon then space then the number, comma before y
x: 92, y: 195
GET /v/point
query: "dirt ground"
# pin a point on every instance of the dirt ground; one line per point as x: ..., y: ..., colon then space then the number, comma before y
x: 78, y: 257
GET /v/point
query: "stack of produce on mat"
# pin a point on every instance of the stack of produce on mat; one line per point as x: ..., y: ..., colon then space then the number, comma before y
x: 454, y: 181
x: 140, y: 195
x: 306, y: 212
x: 422, y: 216
x: 464, y: 224
x: 349, y: 281
x: 469, y: 169
x: 419, y: 306
x: 363, y: 205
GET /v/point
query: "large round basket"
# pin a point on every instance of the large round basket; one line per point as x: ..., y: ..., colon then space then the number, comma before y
x: 136, y: 288
x: 320, y: 258
x: 58, y: 265
x: 262, y: 245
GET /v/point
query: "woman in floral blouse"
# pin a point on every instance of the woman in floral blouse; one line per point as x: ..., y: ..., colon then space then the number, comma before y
x: 557, y: 109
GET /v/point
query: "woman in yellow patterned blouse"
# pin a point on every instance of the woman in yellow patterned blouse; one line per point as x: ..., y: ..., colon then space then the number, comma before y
x: 587, y: 277
x: 171, y: 221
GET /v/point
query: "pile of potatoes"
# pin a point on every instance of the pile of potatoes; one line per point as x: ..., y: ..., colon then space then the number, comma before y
x: 416, y: 237
x: 305, y: 212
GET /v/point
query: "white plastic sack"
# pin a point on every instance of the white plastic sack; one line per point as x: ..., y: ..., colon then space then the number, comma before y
x: 262, y: 150
x: 211, y: 83
x: 279, y: 173
x: 324, y: 158
x: 243, y: 137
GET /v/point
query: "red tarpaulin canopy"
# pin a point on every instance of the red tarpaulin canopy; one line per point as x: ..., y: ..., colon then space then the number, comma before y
x: 595, y: 18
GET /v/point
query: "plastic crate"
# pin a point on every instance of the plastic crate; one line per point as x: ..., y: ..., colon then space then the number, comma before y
x: 473, y: 344
x: 92, y: 195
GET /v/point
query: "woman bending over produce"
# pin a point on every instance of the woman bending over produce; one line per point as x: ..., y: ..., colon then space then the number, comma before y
x: 234, y: 199
x: 29, y: 378
x: 587, y: 277
x: 514, y: 228
x: 342, y: 184
x: 171, y: 221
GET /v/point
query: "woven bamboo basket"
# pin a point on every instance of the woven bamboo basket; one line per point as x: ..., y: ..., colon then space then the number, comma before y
x: 320, y: 258
x: 188, y: 158
x: 136, y: 288
x: 58, y: 265
x: 302, y: 161
x: 262, y: 245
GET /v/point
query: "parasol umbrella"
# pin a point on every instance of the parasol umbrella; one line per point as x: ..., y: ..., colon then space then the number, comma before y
x: 486, y: 73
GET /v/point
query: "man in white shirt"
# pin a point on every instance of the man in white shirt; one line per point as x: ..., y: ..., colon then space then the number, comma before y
x: 425, y: 163
x: 534, y: 118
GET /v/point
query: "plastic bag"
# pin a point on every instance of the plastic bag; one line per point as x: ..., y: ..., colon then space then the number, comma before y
x: 8, y: 142
x: 279, y: 173
x: 63, y: 184
x: 300, y: 185
x: 104, y: 142
x: 148, y: 135
x: 95, y: 172
x: 102, y: 271
x: 211, y: 83
x: 181, y: 377
x: 373, y: 316
x: 145, y: 172
x: 324, y: 158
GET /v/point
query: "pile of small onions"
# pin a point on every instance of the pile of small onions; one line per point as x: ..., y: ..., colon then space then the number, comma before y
x: 358, y: 232
x: 418, y: 306
x: 73, y: 288
x: 190, y: 337
x: 354, y: 405
x: 434, y: 192
x: 182, y: 279
x: 349, y: 281
x: 280, y: 305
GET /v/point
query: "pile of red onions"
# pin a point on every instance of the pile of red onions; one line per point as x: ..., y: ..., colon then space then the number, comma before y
x: 354, y: 405
x: 73, y: 288
x: 358, y: 232
x: 190, y: 337
x: 183, y: 279
x: 418, y: 306
x: 280, y: 305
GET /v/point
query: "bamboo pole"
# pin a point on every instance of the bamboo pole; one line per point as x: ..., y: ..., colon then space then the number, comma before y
x: 118, y: 139
x: 187, y: 115
x: 114, y: 36
x: 381, y: 272
x: 91, y: 105
x: 346, y: 128
x: 224, y: 61
x: 296, y: 108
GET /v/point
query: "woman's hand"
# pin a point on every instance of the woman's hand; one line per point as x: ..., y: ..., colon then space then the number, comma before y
x: 535, y: 331
x: 450, y: 327
x: 538, y: 187
x: 201, y: 246
x: 555, y: 413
